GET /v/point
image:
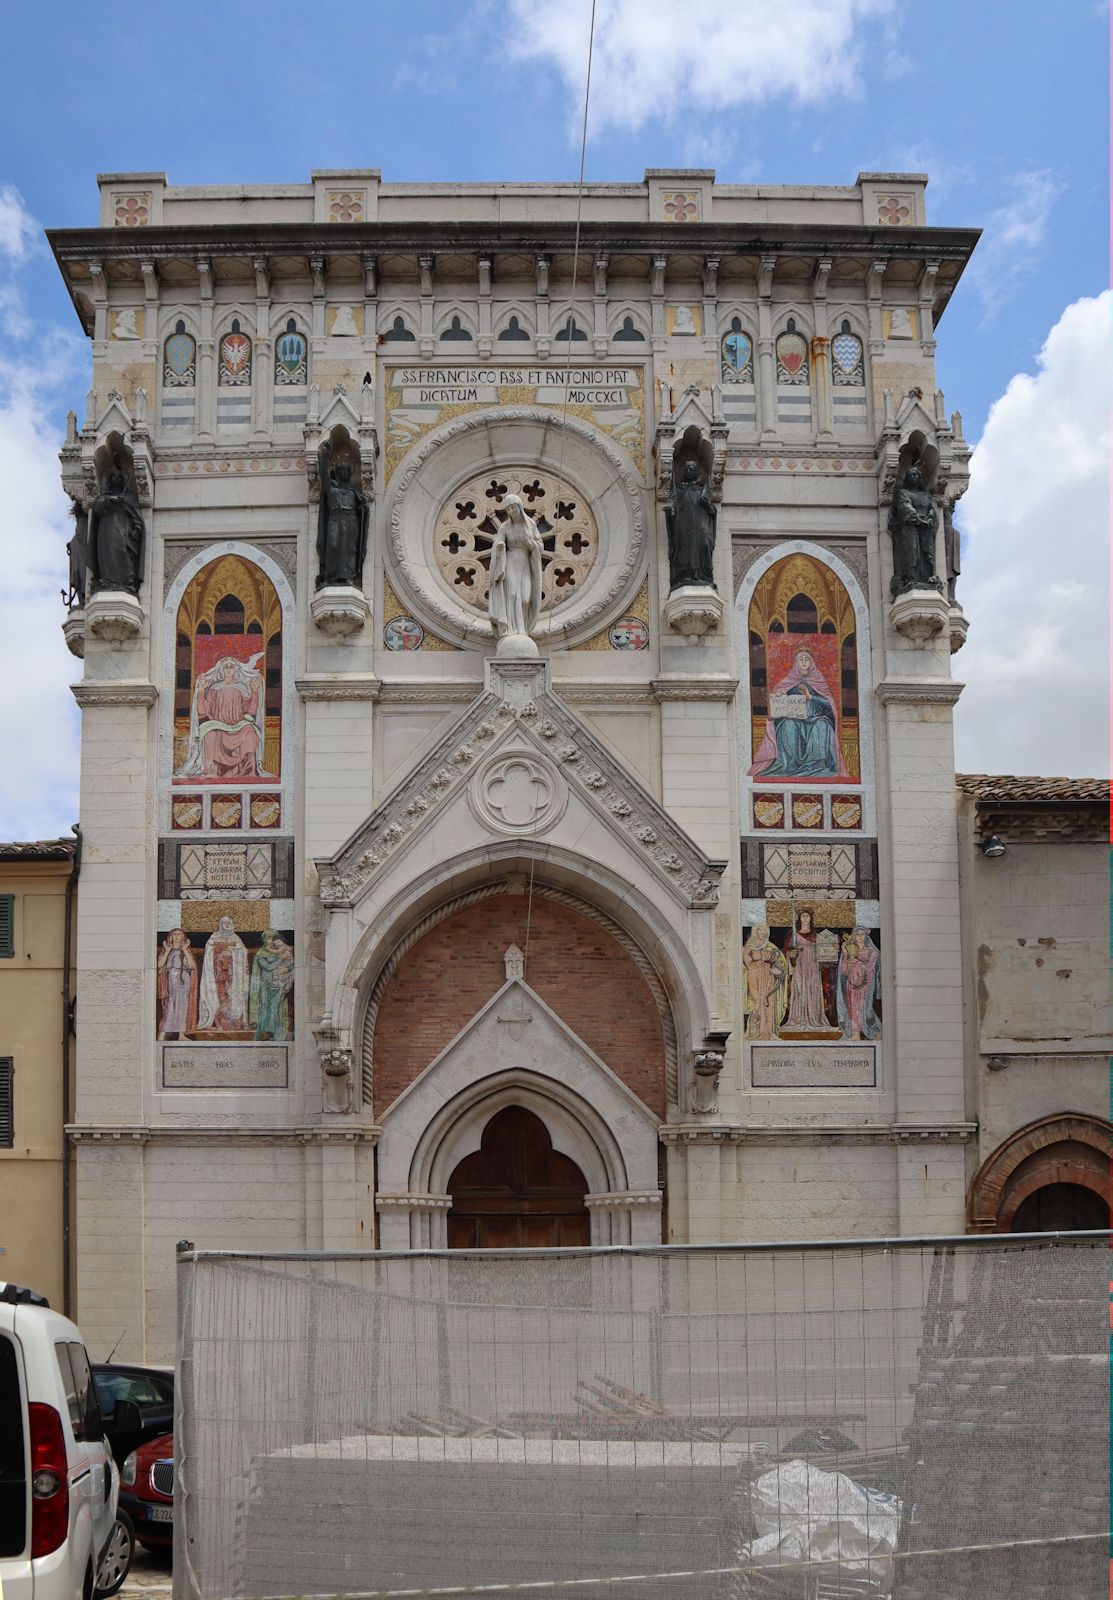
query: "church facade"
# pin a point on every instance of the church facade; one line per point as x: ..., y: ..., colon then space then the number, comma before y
x: 395, y: 930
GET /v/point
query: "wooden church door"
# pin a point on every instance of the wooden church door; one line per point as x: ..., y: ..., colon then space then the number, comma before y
x: 516, y: 1190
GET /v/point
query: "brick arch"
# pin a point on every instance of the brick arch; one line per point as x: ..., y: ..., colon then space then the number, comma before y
x: 1070, y: 1147
x: 579, y: 963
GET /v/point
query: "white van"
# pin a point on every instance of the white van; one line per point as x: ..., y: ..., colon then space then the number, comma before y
x: 58, y: 1482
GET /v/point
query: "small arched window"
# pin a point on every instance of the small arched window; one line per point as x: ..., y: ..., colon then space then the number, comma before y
x: 513, y: 330
x: 291, y: 356
x: 570, y: 332
x: 848, y: 367
x: 179, y: 359
x: 792, y: 355
x: 235, y: 358
x: 398, y: 333
x: 456, y: 332
x: 737, y: 350
x: 628, y: 331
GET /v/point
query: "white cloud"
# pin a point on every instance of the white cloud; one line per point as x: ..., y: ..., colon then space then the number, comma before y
x: 38, y: 717
x: 1014, y: 235
x: 651, y: 60
x: 1035, y: 584
x: 19, y: 232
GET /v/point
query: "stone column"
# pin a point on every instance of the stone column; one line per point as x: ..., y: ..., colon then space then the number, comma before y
x: 115, y: 997
x: 263, y: 374
x: 206, y: 358
x: 924, y: 1024
x: 766, y: 372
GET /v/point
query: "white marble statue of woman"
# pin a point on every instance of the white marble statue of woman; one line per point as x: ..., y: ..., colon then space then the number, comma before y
x: 514, y: 591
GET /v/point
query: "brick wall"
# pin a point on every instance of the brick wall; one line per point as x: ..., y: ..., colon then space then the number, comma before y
x: 576, y: 968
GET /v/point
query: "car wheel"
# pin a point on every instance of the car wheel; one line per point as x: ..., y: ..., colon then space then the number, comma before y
x: 115, y: 1563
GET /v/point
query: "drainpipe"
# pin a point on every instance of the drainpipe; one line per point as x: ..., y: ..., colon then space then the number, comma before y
x: 68, y: 1031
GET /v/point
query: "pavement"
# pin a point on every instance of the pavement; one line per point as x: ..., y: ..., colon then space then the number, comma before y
x: 149, y: 1578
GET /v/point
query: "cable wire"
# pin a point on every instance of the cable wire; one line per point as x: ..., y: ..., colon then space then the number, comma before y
x: 570, y: 328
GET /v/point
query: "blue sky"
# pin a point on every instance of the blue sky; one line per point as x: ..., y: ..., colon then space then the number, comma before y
x: 1004, y: 105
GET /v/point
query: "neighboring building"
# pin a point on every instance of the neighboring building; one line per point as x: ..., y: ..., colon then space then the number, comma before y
x: 383, y: 939
x: 37, y: 925
x: 1039, y: 1030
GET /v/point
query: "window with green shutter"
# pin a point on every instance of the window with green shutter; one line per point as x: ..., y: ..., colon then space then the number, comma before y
x: 7, y: 1102
x: 7, y: 926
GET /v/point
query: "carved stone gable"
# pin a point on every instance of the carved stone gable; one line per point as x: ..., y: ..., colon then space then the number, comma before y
x: 518, y: 757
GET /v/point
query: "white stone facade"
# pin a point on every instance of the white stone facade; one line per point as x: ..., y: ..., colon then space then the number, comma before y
x: 434, y: 335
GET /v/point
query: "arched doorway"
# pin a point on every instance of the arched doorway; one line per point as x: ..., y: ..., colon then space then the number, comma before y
x: 516, y: 1191
x: 1060, y: 1208
x: 1055, y: 1168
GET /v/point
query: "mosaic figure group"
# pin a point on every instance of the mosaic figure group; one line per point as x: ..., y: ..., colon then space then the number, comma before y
x: 228, y: 992
x: 785, y: 992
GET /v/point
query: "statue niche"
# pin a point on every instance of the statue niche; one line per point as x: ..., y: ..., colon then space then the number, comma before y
x: 690, y: 515
x: 115, y: 535
x: 342, y: 522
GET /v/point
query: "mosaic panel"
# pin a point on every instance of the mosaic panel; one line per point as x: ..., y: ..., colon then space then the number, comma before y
x: 225, y: 975
x: 628, y: 633
x: 403, y: 633
x: 228, y: 682
x: 813, y: 975
x: 265, y: 811
x: 803, y: 679
x: 769, y: 810
x: 737, y: 354
x: 291, y: 357
x: 847, y: 361
x: 792, y: 357
x: 235, y: 359
x: 179, y: 359
x: 244, y: 868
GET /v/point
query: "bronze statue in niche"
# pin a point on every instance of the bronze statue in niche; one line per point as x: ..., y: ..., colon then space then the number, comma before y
x: 913, y: 520
x: 690, y: 515
x: 342, y: 523
x: 116, y: 535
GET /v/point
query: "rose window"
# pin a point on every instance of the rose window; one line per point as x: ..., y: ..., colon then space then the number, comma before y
x: 468, y: 522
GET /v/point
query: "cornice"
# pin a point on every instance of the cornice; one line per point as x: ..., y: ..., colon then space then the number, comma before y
x: 708, y: 688
x: 385, y: 1201
x: 452, y: 236
x: 825, y: 1134
x: 596, y: 692
x: 338, y: 686
x: 219, y: 1133
x: 919, y: 691
x: 118, y: 692
x: 625, y: 1200
x: 430, y: 692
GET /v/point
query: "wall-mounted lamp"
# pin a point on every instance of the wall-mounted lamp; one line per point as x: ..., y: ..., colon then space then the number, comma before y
x: 992, y: 847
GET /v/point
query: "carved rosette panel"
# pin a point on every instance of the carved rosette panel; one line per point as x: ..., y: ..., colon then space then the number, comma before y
x: 519, y: 793
x: 468, y: 523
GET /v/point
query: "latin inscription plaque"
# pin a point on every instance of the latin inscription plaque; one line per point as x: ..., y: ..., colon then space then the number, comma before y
x: 222, y: 1066
x: 837, y: 1066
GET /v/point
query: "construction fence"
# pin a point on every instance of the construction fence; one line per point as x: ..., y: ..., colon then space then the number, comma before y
x: 906, y: 1420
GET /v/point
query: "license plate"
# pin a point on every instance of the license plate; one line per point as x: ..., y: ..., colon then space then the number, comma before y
x: 160, y: 1513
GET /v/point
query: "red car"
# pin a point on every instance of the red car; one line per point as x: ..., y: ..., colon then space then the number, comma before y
x: 147, y: 1491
